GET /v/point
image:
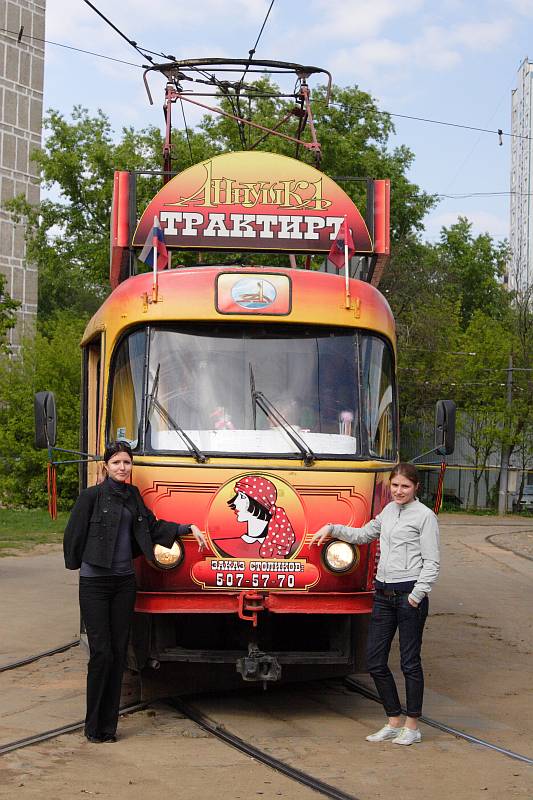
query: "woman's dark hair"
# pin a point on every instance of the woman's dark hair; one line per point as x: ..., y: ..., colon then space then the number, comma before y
x: 254, y: 507
x: 406, y: 470
x: 117, y: 447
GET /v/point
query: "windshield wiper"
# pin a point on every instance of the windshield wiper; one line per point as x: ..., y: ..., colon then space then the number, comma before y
x: 170, y: 421
x: 268, y: 407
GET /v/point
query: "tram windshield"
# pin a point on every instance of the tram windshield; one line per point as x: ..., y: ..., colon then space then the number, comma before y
x: 332, y: 387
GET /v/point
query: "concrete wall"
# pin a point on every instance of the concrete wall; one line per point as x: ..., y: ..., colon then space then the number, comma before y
x: 21, y: 109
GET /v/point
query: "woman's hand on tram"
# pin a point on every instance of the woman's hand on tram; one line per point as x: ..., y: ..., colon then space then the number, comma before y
x: 321, y: 534
x: 199, y: 536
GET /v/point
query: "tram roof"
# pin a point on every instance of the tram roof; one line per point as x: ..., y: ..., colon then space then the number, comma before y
x: 195, y: 294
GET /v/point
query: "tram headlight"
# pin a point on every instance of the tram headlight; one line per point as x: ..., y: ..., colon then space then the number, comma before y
x: 340, y: 556
x: 168, y: 557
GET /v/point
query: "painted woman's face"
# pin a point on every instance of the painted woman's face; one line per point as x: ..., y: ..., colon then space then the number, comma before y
x: 241, y: 507
x: 402, y: 489
x: 119, y: 467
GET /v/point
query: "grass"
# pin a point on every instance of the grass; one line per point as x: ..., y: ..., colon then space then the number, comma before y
x: 21, y: 530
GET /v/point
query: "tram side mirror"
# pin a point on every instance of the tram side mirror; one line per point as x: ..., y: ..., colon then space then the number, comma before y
x: 445, y: 427
x: 44, y: 406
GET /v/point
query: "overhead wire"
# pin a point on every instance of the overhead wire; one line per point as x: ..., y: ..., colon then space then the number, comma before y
x: 144, y: 51
x: 251, y: 52
x: 235, y: 102
x: 68, y: 47
x: 497, y: 132
x: 120, y: 33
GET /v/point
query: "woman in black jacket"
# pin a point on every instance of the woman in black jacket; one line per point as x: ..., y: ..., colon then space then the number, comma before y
x: 108, y: 527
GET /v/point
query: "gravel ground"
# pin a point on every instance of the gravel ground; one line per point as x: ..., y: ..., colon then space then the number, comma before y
x: 519, y: 542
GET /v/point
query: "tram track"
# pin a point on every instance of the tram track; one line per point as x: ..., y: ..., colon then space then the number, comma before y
x: 53, y: 733
x: 45, y: 654
x: 218, y: 730
x: 359, y: 688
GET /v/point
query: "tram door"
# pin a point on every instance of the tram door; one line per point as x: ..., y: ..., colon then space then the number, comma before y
x: 92, y: 405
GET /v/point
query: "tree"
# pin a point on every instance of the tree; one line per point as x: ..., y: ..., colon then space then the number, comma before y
x: 473, y: 267
x: 68, y: 237
x: 49, y: 360
x: 8, y: 319
x: 354, y: 136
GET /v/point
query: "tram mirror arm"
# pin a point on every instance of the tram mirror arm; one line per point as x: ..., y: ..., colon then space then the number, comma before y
x: 445, y: 412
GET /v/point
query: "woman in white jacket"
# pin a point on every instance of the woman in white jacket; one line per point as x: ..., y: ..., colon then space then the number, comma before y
x: 408, y: 566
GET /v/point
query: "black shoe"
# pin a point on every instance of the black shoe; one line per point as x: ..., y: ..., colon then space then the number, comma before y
x: 109, y: 737
x: 94, y: 739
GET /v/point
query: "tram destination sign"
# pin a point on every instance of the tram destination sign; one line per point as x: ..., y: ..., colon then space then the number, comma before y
x: 253, y: 201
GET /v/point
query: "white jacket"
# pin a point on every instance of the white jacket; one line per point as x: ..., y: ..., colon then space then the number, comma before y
x: 409, y: 544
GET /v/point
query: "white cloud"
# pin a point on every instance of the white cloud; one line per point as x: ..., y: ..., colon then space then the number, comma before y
x: 358, y: 19
x: 436, y: 48
x: 522, y: 6
x: 482, y: 36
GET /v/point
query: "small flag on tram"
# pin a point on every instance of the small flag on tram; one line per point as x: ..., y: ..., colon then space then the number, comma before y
x: 155, y: 242
x: 337, y: 252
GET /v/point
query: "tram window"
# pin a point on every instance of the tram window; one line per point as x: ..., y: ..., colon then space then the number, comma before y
x: 377, y: 397
x: 199, y: 379
x: 127, y: 389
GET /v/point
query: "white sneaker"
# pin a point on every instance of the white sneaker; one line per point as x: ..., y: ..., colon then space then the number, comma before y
x: 386, y: 732
x: 407, y: 736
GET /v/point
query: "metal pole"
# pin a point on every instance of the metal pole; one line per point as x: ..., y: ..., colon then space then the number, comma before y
x: 504, y: 469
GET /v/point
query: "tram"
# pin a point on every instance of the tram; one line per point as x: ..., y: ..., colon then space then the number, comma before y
x: 260, y: 403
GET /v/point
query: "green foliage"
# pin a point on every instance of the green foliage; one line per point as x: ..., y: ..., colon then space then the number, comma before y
x: 51, y: 360
x: 447, y: 298
x: 473, y: 267
x: 8, y: 307
x: 354, y: 136
x: 68, y: 237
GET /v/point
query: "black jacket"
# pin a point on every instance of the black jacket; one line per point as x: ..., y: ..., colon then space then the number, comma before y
x: 91, y: 531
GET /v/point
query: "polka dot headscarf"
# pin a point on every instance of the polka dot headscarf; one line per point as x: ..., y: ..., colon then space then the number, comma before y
x: 280, y: 534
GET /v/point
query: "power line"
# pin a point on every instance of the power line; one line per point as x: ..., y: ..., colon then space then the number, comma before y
x: 117, y: 30
x: 251, y: 52
x: 498, y: 132
x: 483, y: 194
x: 144, y: 51
x: 16, y: 35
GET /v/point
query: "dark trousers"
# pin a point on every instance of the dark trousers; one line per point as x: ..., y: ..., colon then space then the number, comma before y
x: 389, y: 614
x: 107, y: 609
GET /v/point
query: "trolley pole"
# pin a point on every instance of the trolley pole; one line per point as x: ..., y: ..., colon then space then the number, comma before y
x: 504, y: 469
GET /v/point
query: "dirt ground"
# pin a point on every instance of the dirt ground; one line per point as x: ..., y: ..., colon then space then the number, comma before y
x: 477, y: 659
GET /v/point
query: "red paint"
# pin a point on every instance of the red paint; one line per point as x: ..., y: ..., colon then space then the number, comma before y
x: 382, y: 216
x: 230, y: 603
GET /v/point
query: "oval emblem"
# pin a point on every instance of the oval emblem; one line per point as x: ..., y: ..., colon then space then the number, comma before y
x: 253, y: 293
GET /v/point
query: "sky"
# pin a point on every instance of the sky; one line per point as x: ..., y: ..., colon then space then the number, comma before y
x: 451, y: 61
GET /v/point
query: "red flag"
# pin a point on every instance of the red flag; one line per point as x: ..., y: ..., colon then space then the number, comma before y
x: 336, y: 253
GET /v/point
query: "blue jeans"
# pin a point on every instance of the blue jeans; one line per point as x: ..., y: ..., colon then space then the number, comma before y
x: 388, y: 614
